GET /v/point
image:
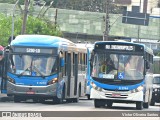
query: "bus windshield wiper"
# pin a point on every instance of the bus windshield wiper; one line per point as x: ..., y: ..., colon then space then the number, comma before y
x: 37, y: 70
x: 27, y: 69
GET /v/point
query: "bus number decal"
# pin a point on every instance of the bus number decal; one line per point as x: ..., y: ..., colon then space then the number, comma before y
x: 123, y: 88
x: 32, y: 50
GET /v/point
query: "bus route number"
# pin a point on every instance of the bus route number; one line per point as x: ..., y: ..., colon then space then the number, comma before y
x: 32, y: 50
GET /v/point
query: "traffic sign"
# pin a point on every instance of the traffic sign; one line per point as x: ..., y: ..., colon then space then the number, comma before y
x: 135, y: 18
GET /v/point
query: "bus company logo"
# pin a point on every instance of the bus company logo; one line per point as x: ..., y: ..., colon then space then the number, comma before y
x: 116, y: 89
x: 6, y: 114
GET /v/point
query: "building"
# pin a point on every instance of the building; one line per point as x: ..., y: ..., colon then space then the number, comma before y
x: 142, y: 5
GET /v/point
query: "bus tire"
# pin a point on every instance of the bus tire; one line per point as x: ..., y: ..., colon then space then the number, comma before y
x: 98, y: 103
x: 139, y: 105
x: 60, y: 100
x: 146, y: 105
x: 152, y: 102
x: 16, y: 99
x: 79, y: 94
x: 88, y: 97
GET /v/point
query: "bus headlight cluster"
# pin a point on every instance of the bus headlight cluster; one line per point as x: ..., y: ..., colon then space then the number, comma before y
x: 140, y: 88
x: 96, y: 87
x: 54, y: 80
x: 156, y: 90
x: 11, y: 80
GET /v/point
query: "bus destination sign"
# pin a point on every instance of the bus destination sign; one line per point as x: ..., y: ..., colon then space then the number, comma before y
x: 120, y: 47
x: 34, y: 50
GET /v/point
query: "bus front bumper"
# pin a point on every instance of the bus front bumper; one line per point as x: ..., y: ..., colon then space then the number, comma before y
x: 36, y: 91
x: 117, y: 95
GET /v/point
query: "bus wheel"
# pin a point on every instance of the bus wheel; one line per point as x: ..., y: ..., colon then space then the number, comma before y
x: 60, y: 100
x: 79, y: 94
x: 88, y: 97
x: 146, y: 105
x: 139, y: 105
x: 152, y: 102
x: 16, y: 99
x: 109, y: 104
x: 98, y: 103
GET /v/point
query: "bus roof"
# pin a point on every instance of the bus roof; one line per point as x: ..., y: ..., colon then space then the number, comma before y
x: 156, y: 58
x: 149, y: 50
x: 40, y: 41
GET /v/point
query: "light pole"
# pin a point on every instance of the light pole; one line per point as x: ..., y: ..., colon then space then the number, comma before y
x: 13, y: 19
x: 25, y: 16
x: 106, y: 32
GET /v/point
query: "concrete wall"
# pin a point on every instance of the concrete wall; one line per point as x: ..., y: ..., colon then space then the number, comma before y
x: 92, y: 23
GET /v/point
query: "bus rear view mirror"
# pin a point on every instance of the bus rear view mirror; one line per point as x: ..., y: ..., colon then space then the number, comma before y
x: 147, y: 65
x: 62, y: 62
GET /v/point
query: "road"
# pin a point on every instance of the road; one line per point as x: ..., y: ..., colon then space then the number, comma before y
x: 80, y: 108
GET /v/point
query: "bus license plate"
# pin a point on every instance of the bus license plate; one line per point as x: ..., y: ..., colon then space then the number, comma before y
x: 30, y: 92
x: 116, y: 95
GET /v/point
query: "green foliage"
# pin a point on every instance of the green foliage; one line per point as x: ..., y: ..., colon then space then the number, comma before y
x: 158, y: 54
x: 12, y: 1
x: 34, y: 26
x: 83, y: 5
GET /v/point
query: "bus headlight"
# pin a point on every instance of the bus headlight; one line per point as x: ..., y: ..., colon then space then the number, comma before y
x: 54, y: 80
x: 11, y: 80
x: 155, y: 90
x: 140, y: 88
x: 95, y: 87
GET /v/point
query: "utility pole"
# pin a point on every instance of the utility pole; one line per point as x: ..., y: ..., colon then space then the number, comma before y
x: 56, y: 18
x: 12, y: 34
x: 106, y: 32
x: 26, y: 4
x: 145, y: 5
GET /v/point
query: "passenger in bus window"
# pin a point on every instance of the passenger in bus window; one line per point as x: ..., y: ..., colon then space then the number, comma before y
x: 110, y: 65
x: 107, y: 66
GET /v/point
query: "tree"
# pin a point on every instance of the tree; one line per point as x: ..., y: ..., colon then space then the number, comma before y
x: 83, y: 5
x: 34, y: 26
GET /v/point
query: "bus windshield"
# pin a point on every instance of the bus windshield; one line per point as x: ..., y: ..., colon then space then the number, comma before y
x: 34, y: 65
x: 118, y: 66
x: 156, y: 80
x: 156, y: 64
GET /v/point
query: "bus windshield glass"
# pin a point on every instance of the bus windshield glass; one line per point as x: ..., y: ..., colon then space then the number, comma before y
x: 156, y: 80
x: 118, y: 66
x: 156, y: 64
x: 34, y: 65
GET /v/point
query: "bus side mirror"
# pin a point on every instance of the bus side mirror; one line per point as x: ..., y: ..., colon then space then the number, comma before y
x: 147, y: 65
x: 62, y: 62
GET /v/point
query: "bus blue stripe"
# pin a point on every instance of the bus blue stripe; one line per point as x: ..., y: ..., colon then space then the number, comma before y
x: 117, y: 87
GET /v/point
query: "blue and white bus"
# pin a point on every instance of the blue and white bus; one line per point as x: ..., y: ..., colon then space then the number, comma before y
x: 156, y: 65
x: 44, y: 67
x: 88, y: 73
x: 89, y: 48
x: 127, y: 77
